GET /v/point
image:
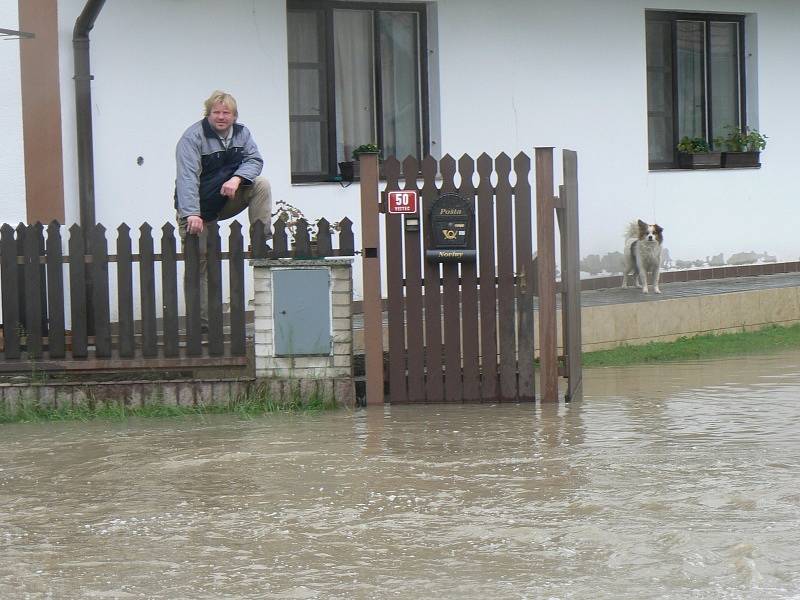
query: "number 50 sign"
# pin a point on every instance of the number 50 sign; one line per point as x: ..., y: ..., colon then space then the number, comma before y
x: 402, y: 202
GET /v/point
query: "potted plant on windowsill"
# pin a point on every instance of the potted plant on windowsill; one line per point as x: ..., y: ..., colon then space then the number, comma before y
x: 695, y: 153
x: 742, y: 148
x: 349, y: 169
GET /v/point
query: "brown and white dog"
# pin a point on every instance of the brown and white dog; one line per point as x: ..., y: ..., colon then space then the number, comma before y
x: 643, y: 246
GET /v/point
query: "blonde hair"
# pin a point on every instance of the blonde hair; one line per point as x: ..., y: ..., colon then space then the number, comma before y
x: 218, y: 96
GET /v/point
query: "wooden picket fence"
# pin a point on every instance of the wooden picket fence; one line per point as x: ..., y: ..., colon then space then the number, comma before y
x: 35, y: 331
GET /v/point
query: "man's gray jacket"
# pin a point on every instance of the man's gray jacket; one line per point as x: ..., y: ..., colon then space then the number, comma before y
x: 204, y: 164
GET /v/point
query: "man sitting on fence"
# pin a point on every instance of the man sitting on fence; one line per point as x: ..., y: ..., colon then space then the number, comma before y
x: 218, y: 167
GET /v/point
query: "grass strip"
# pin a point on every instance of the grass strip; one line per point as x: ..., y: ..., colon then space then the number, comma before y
x: 257, y: 402
x: 769, y: 339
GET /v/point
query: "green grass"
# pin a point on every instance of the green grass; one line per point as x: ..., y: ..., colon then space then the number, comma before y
x: 257, y: 402
x: 769, y: 339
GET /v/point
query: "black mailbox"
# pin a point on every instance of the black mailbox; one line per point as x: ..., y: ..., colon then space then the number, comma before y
x: 452, y: 230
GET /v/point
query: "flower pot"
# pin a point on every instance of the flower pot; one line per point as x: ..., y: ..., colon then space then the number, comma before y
x: 348, y: 170
x: 732, y: 160
x: 700, y: 160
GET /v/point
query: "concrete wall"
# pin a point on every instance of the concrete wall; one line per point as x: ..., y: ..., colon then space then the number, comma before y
x: 12, y: 160
x: 506, y: 76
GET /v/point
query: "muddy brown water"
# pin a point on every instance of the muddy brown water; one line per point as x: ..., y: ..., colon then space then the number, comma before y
x: 671, y: 481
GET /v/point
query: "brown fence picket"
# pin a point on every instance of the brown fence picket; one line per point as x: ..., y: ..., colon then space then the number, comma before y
x: 102, y: 320
x: 324, y: 246
x: 216, y: 344
x: 451, y: 310
x: 302, y: 240
x: 469, y: 294
x: 169, y: 290
x: 525, y: 278
x: 486, y: 275
x: 21, y: 276
x: 147, y: 293
x: 412, y: 247
x: 125, y: 340
x: 347, y: 242
x: 77, y: 291
x: 192, y: 290
x: 280, y: 244
x: 33, y: 293
x: 56, y: 342
x: 10, y: 285
x: 393, y: 253
x: 258, y: 240
x: 434, y: 388
x: 570, y: 276
x: 236, y: 273
x: 505, y: 280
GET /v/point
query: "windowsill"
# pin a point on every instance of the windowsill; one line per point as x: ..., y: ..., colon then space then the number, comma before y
x: 712, y: 169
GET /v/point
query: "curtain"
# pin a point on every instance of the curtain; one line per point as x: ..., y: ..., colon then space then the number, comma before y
x: 355, y: 83
x: 691, y: 78
x: 725, y: 109
x: 659, y: 91
x: 307, y: 94
x: 398, y: 34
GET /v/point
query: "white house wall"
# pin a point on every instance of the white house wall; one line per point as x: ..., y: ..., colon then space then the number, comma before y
x: 512, y: 75
x: 12, y: 160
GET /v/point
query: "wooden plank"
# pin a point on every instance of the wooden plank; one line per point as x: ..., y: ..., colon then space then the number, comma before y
x: 9, y: 283
x: 371, y: 269
x: 42, y: 256
x: 545, y: 241
x: 469, y: 296
x: 346, y: 238
x: 100, y: 295
x: 169, y: 290
x: 280, y: 244
x: 56, y: 338
x: 147, y: 292
x: 236, y: 273
x: 451, y: 309
x: 398, y: 387
x: 192, y: 291
x: 258, y: 239
x: 434, y: 383
x: 77, y: 291
x: 126, y: 343
x: 216, y: 346
x: 486, y: 275
x: 524, y: 260
x: 572, y: 281
x: 324, y: 244
x: 22, y: 234
x: 412, y: 249
x: 302, y: 240
x: 506, y: 308
x: 33, y: 293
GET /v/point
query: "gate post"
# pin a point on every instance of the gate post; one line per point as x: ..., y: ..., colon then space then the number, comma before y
x: 371, y: 269
x: 546, y: 254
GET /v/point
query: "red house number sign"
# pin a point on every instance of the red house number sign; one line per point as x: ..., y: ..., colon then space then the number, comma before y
x: 402, y: 202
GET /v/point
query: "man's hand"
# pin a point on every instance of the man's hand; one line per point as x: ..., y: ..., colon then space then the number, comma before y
x: 194, y: 224
x: 229, y: 187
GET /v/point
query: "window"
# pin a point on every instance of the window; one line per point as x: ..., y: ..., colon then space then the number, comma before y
x: 357, y: 75
x: 695, y: 80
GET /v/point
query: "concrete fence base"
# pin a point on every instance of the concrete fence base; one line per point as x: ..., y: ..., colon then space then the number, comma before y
x: 184, y: 393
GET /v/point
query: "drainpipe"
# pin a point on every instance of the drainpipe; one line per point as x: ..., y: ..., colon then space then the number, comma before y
x: 83, y: 110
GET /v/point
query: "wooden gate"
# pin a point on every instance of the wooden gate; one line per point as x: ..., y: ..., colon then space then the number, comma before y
x: 464, y: 331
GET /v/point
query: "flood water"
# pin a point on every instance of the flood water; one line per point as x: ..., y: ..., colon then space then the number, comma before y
x: 671, y: 481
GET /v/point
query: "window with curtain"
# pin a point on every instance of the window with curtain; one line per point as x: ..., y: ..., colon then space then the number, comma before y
x: 695, y: 80
x: 356, y: 76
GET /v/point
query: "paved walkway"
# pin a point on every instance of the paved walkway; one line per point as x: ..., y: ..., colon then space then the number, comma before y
x: 691, y: 288
x: 706, y: 287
